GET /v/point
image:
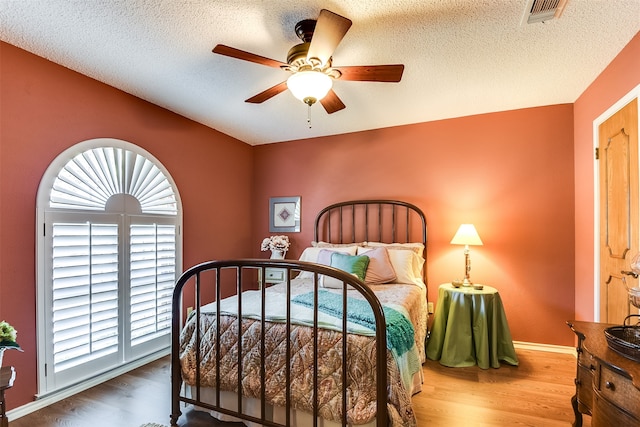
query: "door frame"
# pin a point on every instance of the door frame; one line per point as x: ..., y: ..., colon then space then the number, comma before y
x: 617, y: 106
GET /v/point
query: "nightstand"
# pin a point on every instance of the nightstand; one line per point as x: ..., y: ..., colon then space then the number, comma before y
x: 470, y: 327
x: 273, y: 275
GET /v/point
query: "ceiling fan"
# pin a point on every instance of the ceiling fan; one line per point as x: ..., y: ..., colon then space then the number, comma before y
x: 310, y: 64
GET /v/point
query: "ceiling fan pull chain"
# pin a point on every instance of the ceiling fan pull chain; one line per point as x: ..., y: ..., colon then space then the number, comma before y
x: 309, y: 116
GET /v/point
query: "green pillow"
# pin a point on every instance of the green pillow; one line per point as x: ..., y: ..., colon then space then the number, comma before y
x: 354, y: 264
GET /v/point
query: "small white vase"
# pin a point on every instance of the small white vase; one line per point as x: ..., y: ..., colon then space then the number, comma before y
x: 277, y: 254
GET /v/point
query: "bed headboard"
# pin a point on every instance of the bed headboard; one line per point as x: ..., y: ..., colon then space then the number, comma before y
x: 387, y: 221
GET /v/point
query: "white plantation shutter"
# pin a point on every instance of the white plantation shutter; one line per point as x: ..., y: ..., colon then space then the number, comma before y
x: 153, y: 275
x: 108, y: 261
x: 85, y: 293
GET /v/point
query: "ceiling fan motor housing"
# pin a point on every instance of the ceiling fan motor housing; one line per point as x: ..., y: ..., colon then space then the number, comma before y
x: 297, y: 59
x: 297, y: 55
x: 305, y: 28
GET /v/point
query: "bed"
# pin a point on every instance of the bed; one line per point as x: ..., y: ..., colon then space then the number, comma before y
x: 305, y: 351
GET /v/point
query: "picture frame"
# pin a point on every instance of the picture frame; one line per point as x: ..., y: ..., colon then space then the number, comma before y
x: 284, y: 214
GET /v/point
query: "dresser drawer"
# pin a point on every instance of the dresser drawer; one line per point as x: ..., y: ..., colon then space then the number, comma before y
x: 584, y: 389
x: 275, y: 275
x: 606, y: 414
x: 619, y: 390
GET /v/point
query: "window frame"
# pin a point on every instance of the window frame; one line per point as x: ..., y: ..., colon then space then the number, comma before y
x: 44, y: 214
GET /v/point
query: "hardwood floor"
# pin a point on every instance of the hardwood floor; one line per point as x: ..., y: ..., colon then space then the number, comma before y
x: 536, y: 393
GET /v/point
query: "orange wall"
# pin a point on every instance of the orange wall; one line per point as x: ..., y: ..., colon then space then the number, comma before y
x: 617, y: 80
x: 509, y: 173
x: 45, y: 109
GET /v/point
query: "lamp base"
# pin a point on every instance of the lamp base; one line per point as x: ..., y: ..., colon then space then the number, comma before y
x: 467, y: 267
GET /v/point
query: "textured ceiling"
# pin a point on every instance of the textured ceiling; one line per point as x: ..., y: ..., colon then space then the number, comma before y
x: 461, y: 57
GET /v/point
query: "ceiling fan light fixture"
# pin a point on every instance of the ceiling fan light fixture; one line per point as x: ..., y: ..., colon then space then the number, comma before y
x: 309, y: 86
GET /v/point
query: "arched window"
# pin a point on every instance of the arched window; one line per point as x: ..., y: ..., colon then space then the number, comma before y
x: 109, y: 253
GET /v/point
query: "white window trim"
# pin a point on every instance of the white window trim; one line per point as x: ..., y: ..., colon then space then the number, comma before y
x: 42, y: 203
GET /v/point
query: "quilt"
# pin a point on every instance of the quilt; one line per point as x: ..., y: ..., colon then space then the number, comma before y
x: 361, y: 360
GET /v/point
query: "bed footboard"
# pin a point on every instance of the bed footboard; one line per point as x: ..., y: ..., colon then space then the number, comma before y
x: 204, y: 287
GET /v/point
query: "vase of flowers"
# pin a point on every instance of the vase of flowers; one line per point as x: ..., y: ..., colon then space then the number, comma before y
x: 8, y: 336
x: 278, y: 245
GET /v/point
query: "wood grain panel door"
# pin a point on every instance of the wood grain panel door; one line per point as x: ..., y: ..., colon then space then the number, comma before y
x: 619, y: 213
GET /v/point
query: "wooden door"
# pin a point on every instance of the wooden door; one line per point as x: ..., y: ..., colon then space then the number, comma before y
x: 619, y: 214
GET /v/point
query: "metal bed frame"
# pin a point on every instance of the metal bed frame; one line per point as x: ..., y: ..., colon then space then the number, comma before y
x: 343, y: 222
x: 357, y: 221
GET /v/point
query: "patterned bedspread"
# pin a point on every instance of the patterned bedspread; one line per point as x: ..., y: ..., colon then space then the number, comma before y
x: 361, y: 360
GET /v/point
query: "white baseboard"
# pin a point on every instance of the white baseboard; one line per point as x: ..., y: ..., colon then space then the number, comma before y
x: 545, y: 347
x: 43, y: 401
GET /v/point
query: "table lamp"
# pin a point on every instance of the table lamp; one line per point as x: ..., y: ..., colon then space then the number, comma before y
x: 466, y: 235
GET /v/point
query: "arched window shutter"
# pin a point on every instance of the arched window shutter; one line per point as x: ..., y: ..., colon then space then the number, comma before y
x: 109, y: 258
x: 91, y: 178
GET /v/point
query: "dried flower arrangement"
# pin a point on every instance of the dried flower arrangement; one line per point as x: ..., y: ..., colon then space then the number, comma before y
x: 275, y: 243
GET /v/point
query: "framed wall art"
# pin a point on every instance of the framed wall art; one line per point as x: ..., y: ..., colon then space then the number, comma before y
x: 284, y: 214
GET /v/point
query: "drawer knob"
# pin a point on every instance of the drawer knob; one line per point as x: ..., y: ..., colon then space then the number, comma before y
x: 611, y: 386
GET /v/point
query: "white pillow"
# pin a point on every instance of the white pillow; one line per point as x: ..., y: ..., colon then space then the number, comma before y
x: 416, y: 248
x: 333, y: 283
x: 310, y: 254
x: 418, y: 265
x: 403, y: 264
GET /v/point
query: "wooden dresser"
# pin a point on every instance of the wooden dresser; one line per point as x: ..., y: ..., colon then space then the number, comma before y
x: 607, y: 383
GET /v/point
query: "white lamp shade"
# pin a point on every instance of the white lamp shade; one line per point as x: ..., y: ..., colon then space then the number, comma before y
x: 309, y: 84
x: 466, y: 235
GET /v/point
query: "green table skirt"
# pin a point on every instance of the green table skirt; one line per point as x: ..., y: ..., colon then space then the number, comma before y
x: 470, y: 327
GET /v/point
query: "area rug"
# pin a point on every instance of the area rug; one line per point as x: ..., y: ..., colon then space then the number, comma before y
x: 152, y: 425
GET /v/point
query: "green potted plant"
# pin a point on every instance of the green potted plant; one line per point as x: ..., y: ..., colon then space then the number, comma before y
x: 8, y: 336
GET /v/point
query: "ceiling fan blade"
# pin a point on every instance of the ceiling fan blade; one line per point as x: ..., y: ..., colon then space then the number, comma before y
x: 331, y: 102
x: 330, y: 29
x: 372, y: 73
x: 268, y: 94
x: 247, y: 56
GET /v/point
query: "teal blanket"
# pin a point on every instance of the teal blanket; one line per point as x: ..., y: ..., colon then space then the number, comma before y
x: 400, y: 332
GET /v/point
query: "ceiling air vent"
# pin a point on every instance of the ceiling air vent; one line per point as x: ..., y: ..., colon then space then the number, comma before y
x: 543, y: 10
